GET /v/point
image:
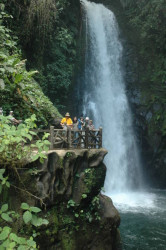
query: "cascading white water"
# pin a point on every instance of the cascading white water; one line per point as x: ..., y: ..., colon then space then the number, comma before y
x: 105, y: 99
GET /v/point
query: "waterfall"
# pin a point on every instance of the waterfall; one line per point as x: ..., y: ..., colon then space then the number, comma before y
x: 105, y: 100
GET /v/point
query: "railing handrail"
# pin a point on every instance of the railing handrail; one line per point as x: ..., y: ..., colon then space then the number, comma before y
x: 85, y: 138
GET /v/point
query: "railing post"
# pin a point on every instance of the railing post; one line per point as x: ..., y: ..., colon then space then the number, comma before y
x: 69, y: 137
x: 100, y: 138
x: 51, y: 137
x: 86, y: 137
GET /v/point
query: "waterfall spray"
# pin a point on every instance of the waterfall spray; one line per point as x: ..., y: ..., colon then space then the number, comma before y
x: 105, y: 100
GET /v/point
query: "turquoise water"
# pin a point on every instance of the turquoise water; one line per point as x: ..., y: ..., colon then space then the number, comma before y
x: 143, y: 220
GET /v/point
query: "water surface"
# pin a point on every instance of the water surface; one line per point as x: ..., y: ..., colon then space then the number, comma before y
x: 143, y: 219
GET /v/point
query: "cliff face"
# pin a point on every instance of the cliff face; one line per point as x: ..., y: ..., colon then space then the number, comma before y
x: 69, y: 184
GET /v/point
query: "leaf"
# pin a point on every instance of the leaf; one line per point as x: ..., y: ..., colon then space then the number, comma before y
x: 21, y: 241
x: 2, y: 171
x: 39, y: 222
x: 12, y: 245
x: 4, y: 234
x: 47, y: 142
x: 45, y: 222
x: 6, y: 244
x: 31, y: 73
x: 31, y: 243
x: 2, y: 84
x: 13, y: 237
x: 18, y: 78
x: 27, y: 217
x: 8, y: 184
x: 25, y: 206
x: 35, y: 209
x: 34, y: 220
x: 84, y: 196
x: 28, y: 136
x: 6, y: 217
x: 21, y: 247
x: 4, y: 208
x: 32, y: 133
x: 35, y: 157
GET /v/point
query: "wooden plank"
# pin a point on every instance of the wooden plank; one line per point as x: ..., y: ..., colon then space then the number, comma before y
x: 100, y: 139
x: 86, y: 137
x: 51, y: 137
x: 69, y: 137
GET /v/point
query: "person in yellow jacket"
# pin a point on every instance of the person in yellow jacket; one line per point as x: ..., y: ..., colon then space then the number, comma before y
x: 67, y: 120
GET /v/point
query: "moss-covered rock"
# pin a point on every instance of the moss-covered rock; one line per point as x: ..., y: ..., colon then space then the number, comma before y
x: 67, y: 186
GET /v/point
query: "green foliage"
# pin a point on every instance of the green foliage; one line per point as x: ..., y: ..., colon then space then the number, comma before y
x: 16, y: 147
x: 3, y: 180
x: 84, y: 196
x: 89, y: 213
x: 148, y: 18
x: 8, y: 238
x: 48, y: 33
x: 18, y: 90
x: 71, y: 203
x: 89, y: 178
x: 5, y: 215
x: 39, y: 10
x: 60, y: 61
x: 68, y: 154
x: 30, y: 216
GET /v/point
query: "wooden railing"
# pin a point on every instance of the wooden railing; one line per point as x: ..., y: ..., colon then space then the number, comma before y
x: 60, y: 138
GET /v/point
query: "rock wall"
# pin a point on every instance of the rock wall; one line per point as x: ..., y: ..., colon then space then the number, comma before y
x: 69, y: 183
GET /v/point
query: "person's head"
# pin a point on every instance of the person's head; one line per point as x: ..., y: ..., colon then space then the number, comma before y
x: 67, y: 115
x: 81, y: 118
x: 11, y: 113
x: 87, y: 119
x: 75, y: 119
x: 90, y: 122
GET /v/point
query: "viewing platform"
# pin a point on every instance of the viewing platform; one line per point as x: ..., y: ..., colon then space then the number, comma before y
x: 78, y: 139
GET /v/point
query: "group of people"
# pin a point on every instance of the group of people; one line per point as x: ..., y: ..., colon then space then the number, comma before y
x: 76, y: 124
x: 11, y: 117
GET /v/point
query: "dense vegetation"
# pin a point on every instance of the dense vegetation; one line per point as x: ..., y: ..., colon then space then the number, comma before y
x: 48, y: 33
x: 148, y: 19
x: 16, y: 150
x: 18, y: 90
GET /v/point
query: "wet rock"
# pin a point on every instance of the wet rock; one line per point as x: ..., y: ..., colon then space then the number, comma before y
x: 149, y: 116
x: 109, y: 211
x: 156, y: 107
x: 76, y: 176
x: 70, y: 173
